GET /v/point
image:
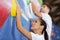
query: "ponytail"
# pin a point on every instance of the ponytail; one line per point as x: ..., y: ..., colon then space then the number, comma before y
x: 45, y: 35
x: 44, y: 30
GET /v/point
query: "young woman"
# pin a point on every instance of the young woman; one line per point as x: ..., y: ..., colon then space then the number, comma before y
x: 38, y: 26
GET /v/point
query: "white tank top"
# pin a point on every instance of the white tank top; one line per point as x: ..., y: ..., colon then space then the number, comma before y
x: 37, y: 37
